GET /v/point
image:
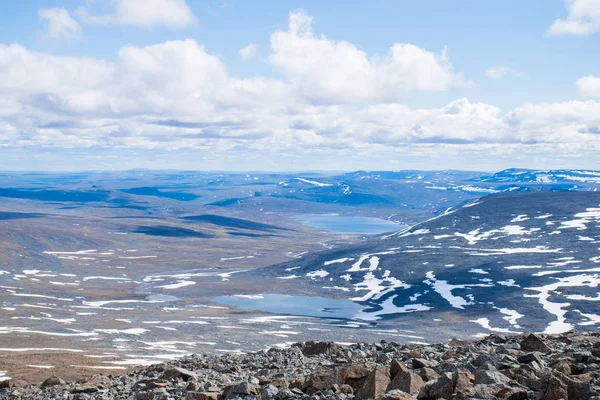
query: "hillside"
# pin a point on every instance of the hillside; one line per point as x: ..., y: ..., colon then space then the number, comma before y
x: 510, y: 263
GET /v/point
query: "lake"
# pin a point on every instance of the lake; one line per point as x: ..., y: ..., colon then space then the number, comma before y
x: 349, y: 224
x: 294, y: 305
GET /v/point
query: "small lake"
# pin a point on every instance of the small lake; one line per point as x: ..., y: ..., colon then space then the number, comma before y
x: 294, y: 305
x: 349, y: 224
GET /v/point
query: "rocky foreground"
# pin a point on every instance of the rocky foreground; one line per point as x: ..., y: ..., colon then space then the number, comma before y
x: 529, y: 366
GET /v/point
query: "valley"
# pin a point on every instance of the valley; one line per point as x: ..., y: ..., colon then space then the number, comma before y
x: 104, y: 271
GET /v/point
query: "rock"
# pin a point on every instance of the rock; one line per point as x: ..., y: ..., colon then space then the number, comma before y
x: 346, y: 389
x: 297, y: 383
x: 173, y: 373
x: 496, y: 339
x: 354, y: 375
x: 463, y: 382
x: 92, y: 385
x: 458, y: 343
x: 396, y: 395
x: 427, y: 374
x: 242, y: 390
x: 578, y: 390
x: 507, y: 362
x: 395, y: 367
x: 512, y: 393
x: 441, y: 388
x: 406, y: 381
x: 596, y: 349
x: 201, y: 396
x: 553, y: 388
x: 530, y: 357
x: 192, y: 386
x: 564, y: 367
x: 376, y: 384
x: 534, y: 343
x: 320, y: 381
x: 422, y: 363
x: 582, y: 356
x: 318, y: 348
x: 488, y: 391
x: 489, y: 375
x: 5, y: 383
x: 268, y: 392
x: 52, y: 381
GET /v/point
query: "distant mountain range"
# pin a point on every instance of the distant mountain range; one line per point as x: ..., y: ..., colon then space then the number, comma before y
x: 506, y: 262
x: 550, y: 176
x: 403, y: 196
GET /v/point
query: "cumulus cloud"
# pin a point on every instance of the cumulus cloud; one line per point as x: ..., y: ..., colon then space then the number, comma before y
x: 589, y: 86
x: 60, y: 23
x: 143, y: 13
x: 583, y: 18
x: 178, y: 95
x: 326, y: 71
x: 500, y: 71
x: 249, y: 51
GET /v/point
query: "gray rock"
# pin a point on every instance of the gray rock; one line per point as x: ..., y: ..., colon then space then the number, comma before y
x: 534, y: 343
x: 376, y: 384
x: 489, y: 375
x: 268, y: 392
x: 406, y: 381
x: 441, y: 388
x: 176, y: 372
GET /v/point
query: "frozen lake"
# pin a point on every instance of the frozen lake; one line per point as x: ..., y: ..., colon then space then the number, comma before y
x: 349, y: 224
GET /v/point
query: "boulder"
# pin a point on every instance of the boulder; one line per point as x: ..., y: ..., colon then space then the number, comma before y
x: 489, y: 375
x: 52, y: 381
x: 577, y: 390
x: 269, y: 392
x: 596, y: 349
x: 534, y: 343
x: 530, y: 357
x: 422, y: 363
x: 92, y: 385
x: 319, y: 381
x: 173, y: 373
x: 512, y: 393
x: 552, y: 388
x: 406, y: 381
x: 201, y: 396
x: 427, y: 374
x: 242, y: 390
x: 318, y: 348
x: 376, y: 384
x: 441, y: 388
x: 463, y: 382
x: 396, y: 395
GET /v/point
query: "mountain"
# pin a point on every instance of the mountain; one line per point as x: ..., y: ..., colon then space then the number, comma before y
x: 515, y: 175
x: 507, y: 263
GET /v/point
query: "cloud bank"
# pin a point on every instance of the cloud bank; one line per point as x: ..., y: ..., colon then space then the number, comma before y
x: 333, y: 99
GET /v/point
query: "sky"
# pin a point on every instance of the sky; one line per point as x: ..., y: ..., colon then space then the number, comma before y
x: 237, y: 85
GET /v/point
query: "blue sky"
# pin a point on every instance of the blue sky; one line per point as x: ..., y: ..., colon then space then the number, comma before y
x: 288, y: 85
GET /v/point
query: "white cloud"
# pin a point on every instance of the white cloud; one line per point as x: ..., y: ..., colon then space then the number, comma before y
x: 583, y: 18
x: 177, y: 95
x: 327, y: 71
x: 249, y: 51
x: 589, y: 86
x: 500, y: 71
x: 143, y: 13
x: 60, y: 23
